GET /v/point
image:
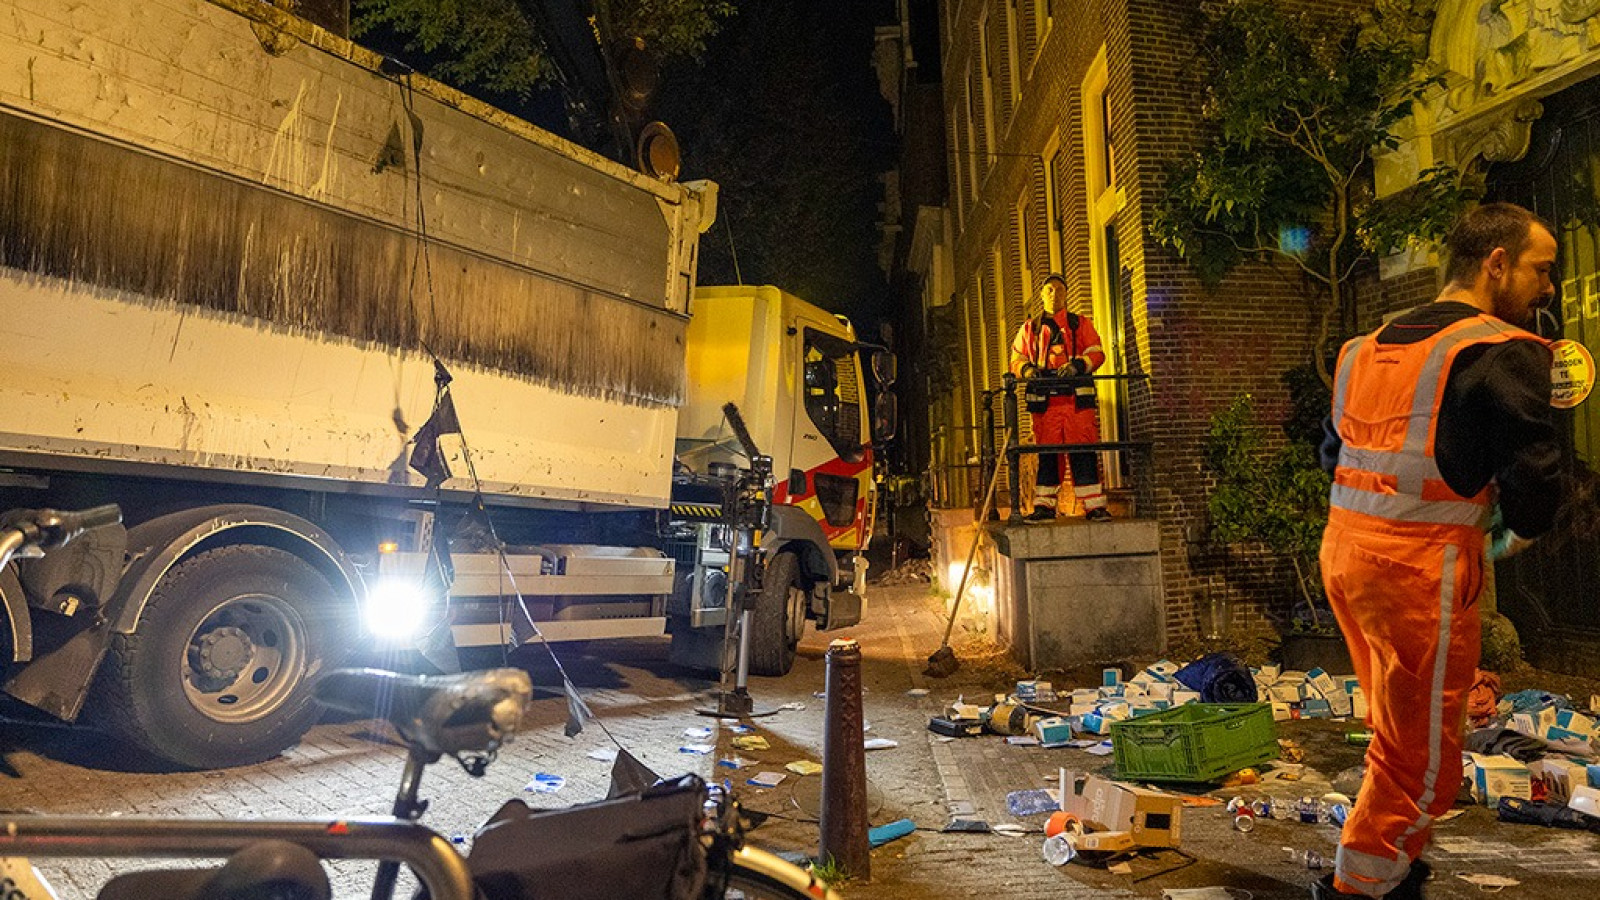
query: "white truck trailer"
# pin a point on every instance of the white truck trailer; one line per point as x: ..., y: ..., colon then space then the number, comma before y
x: 240, y: 259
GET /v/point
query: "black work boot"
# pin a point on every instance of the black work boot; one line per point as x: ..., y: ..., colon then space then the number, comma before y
x: 1409, y: 888
x: 1041, y: 513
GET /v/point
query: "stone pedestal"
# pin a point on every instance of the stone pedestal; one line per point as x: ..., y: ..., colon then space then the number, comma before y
x: 1074, y: 592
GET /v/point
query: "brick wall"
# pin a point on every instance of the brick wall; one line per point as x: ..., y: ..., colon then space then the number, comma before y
x: 1198, y: 346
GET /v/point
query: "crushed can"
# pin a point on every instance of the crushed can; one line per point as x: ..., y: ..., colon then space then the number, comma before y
x: 1308, y: 811
x: 1244, y: 821
x: 1262, y: 808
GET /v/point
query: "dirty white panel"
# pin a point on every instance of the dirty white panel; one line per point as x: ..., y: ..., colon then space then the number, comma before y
x: 89, y: 374
x: 192, y: 80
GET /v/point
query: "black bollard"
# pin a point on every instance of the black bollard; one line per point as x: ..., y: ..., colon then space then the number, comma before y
x: 844, y: 766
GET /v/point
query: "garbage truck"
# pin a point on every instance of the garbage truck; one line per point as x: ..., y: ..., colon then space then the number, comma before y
x: 368, y: 363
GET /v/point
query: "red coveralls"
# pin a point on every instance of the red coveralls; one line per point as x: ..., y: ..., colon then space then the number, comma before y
x: 1070, y: 418
x: 1403, y: 563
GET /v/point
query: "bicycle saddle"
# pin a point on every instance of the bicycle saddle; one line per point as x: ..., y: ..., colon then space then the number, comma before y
x: 470, y: 712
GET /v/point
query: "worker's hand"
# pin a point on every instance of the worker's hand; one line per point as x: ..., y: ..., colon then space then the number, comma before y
x: 1505, y: 543
x: 1078, y: 366
x: 1029, y: 370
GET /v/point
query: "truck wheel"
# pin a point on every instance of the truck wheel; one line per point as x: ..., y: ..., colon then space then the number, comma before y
x: 696, y: 648
x: 779, y: 618
x: 221, y: 668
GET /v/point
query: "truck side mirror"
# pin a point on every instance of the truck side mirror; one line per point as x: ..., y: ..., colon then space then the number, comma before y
x: 884, y: 368
x: 885, y: 416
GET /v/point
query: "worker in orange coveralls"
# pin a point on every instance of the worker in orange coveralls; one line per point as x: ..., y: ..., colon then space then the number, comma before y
x: 1436, y: 416
x: 1057, y: 343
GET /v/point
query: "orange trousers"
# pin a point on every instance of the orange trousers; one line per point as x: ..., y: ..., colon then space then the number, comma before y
x: 1408, y: 606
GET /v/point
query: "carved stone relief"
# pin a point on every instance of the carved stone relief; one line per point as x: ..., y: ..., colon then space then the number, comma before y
x: 1487, y: 47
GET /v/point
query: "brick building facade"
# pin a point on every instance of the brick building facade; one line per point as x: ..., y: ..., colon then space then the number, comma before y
x: 1060, y: 119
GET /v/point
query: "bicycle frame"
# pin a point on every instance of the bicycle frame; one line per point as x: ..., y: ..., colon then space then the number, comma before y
x: 430, y: 855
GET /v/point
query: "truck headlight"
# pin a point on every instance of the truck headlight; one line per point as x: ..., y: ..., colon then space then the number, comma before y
x: 395, y: 608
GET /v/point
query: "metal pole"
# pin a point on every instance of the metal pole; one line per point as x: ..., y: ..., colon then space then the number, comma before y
x: 1013, y: 456
x: 844, y: 765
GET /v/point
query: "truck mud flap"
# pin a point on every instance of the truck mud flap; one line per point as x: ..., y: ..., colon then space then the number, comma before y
x: 842, y: 610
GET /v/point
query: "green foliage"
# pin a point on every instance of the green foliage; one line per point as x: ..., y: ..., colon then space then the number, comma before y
x: 1274, y: 498
x: 492, y: 44
x: 1295, y: 105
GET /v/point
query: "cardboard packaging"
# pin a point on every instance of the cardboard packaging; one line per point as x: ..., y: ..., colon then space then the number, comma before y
x: 1053, y: 730
x: 1107, y: 842
x: 1151, y: 818
x: 1559, y: 776
x: 1494, y: 777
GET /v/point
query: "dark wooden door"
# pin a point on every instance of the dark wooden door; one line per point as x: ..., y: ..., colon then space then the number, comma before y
x: 1552, y: 592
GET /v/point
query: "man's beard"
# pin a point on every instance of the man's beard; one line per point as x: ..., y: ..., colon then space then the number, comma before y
x: 1507, y: 309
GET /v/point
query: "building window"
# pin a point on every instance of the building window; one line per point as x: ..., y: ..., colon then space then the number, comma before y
x: 986, y: 70
x: 1013, y: 48
x: 1052, y: 192
x: 970, y: 150
x: 1104, y: 200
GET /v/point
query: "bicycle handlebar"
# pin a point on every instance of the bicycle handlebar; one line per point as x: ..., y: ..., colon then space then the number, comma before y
x: 48, y: 529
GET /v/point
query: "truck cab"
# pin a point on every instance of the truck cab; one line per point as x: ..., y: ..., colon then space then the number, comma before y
x: 796, y: 372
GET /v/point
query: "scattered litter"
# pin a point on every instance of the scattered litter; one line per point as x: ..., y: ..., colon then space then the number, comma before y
x: 545, y: 783
x: 696, y: 749
x: 974, y: 826
x: 1008, y: 829
x: 697, y: 734
x: 880, y: 744
x: 917, y: 692
x: 1022, y: 740
x: 1059, y: 849
x: 751, y: 742
x: 766, y: 779
x: 1290, y: 751
x: 1445, y: 817
x: 961, y: 808
x: 954, y: 728
x: 1489, y: 883
x: 1199, y: 802
x: 820, y: 695
x: 1241, y: 777
x: 1205, y: 893
x: 1120, y: 868
x: 604, y: 754
x: 866, y: 726
x: 804, y: 767
x: 1031, y: 802
x: 1083, y: 744
x: 737, y: 728
x: 1103, y: 748
x: 735, y: 762
x: 795, y: 707
x: 890, y: 831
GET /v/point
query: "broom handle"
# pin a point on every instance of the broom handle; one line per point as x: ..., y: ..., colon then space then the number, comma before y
x: 988, y: 499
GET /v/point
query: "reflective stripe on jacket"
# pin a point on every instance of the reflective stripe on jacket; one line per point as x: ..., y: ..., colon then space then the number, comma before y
x: 1385, y: 406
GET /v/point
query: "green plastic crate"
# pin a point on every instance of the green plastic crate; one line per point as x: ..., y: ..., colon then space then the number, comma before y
x: 1194, y: 742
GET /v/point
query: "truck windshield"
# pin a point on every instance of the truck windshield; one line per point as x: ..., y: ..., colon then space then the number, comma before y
x: 833, y: 392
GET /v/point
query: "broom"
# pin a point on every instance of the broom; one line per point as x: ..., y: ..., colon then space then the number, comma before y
x: 942, y: 663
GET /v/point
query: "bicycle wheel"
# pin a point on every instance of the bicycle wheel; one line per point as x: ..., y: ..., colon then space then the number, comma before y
x: 754, y: 874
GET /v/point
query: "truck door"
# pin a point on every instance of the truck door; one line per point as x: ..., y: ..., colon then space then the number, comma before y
x: 830, y: 456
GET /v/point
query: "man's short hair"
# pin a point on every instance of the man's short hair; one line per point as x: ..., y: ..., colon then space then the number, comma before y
x: 1060, y: 283
x: 1477, y: 233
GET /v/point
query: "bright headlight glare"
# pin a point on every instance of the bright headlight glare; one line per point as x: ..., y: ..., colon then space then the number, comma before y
x: 395, y: 608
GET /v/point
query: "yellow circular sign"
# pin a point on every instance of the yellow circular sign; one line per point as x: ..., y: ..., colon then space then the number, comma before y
x: 1571, y: 375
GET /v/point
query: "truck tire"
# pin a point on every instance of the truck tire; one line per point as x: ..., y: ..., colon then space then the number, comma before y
x: 696, y: 648
x: 779, y: 618
x: 221, y: 669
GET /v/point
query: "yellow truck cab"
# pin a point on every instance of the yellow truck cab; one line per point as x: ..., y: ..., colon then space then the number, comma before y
x: 796, y: 373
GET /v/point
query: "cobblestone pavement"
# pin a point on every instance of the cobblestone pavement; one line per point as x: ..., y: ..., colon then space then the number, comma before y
x: 347, y: 768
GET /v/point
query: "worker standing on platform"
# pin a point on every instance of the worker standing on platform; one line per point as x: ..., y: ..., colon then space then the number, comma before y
x: 1060, y: 344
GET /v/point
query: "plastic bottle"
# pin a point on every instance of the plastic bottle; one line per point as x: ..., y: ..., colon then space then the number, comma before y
x: 1059, y: 849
